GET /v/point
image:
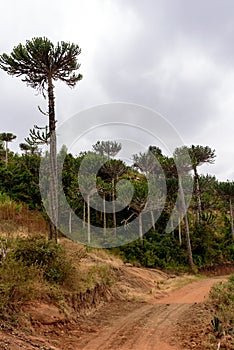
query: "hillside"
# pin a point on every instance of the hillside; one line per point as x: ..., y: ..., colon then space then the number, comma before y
x: 61, y: 296
x: 110, y: 314
x: 102, y: 294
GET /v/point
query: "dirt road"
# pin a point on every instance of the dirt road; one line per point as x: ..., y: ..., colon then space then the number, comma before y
x: 143, y: 326
x: 123, y: 325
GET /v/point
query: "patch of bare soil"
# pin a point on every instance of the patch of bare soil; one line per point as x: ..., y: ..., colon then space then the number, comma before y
x: 151, y: 325
x: 151, y: 311
x: 194, y: 328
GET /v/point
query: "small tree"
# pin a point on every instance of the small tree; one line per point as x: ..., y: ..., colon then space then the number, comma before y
x: 200, y: 155
x: 40, y: 63
x: 7, y: 137
x: 108, y: 148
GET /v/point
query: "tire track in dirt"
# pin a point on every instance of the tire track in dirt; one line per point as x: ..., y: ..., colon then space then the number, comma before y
x: 150, y: 326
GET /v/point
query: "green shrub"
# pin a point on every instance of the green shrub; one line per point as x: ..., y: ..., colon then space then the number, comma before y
x: 47, y: 255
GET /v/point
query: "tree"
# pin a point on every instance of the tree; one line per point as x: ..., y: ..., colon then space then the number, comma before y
x: 38, y: 136
x: 111, y: 171
x: 87, y: 180
x: 104, y: 189
x: 184, y: 166
x: 7, y: 137
x: 40, y: 63
x: 226, y: 190
x: 138, y: 203
x: 108, y: 148
x: 149, y: 164
x: 200, y: 155
x: 144, y: 162
x: 114, y: 169
x: 31, y: 149
x: 88, y: 189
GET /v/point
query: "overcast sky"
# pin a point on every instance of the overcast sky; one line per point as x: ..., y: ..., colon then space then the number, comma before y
x: 174, y: 56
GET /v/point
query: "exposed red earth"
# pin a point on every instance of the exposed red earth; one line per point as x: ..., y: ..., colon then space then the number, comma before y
x: 119, y: 324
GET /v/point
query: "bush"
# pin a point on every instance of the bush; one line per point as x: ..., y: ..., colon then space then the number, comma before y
x: 47, y: 255
x: 222, y: 297
x: 157, y: 250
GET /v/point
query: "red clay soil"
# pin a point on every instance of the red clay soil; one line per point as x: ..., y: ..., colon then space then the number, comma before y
x: 149, y: 325
x: 119, y: 325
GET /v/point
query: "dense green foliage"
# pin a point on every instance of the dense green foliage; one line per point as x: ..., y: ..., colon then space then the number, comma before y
x: 34, y: 269
x: 31, y: 270
x: 211, y: 234
x: 47, y: 255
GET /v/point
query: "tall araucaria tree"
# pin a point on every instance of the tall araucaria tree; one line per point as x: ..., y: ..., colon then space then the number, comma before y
x: 7, y: 137
x: 183, y: 166
x: 108, y: 148
x: 40, y: 63
x: 200, y: 155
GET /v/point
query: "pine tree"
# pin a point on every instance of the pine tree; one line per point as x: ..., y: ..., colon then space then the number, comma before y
x: 40, y: 63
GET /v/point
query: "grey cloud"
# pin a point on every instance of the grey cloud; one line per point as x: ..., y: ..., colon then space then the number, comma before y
x: 174, y: 56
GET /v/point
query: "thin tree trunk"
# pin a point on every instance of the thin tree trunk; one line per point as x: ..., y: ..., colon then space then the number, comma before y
x: 187, y: 234
x: 84, y: 214
x: 179, y: 227
x: 70, y: 222
x: 171, y: 225
x: 53, y: 234
x: 6, y: 160
x: 140, y: 226
x: 152, y: 219
x: 188, y: 243
x: 231, y: 217
x: 104, y: 215
x: 113, y: 206
x: 88, y: 218
x: 198, y: 195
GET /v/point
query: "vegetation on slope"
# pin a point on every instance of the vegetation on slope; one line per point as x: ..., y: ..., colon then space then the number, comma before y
x: 33, y: 269
x: 222, y: 298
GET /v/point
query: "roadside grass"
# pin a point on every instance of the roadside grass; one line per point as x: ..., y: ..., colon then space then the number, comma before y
x: 222, y: 299
x: 16, y: 217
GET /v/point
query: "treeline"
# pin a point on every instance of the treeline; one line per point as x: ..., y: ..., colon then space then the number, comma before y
x: 134, y: 205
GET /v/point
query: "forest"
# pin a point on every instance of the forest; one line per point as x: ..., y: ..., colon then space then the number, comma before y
x: 201, y: 238
x: 157, y: 211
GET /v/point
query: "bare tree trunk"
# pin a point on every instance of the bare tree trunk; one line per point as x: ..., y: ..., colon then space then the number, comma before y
x: 198, y: 196
x: 187, y: 234
x: 88, y: 217
x: 179, y: 227
x: 84, y: 214
x: 104, y: 215
x: 231, y: 217
x: 152, y: 219
x: 6, y: 160
x: 113, y: 206
x: 53, y: 234
x: 171, y: 226
x: 140, y: 226
x: 70, y: 222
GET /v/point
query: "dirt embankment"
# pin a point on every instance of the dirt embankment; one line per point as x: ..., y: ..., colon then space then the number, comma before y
x: 146, y: 308
x: 151, y: 325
